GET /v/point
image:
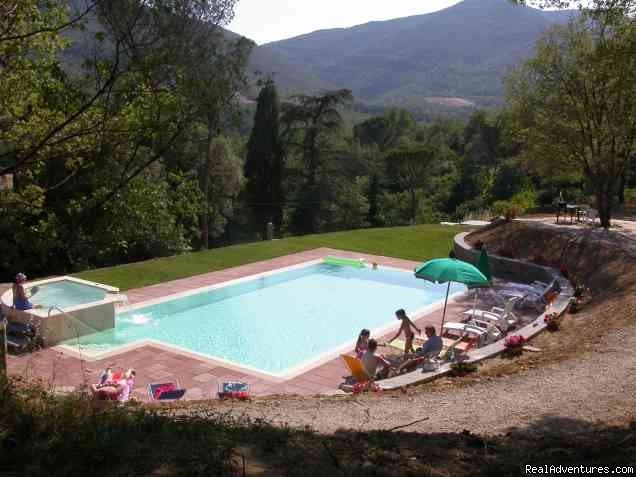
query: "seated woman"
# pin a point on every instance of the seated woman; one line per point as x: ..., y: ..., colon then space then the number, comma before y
x: 362, y: 345
x: 20, y: 298
x: 114, y: 386
x: 431, y: 349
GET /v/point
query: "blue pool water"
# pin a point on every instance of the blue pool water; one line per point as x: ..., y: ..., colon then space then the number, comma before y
x: 276, y: 322
x: 66, y: 293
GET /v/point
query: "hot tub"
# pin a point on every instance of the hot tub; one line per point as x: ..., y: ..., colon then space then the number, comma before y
x: 69, y: 308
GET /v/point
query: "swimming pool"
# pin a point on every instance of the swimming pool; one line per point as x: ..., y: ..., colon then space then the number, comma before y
x: 66, y: 294
x: 276, y: 323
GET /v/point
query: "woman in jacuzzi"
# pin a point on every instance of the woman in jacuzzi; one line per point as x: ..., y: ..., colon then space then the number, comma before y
x: 20, y: 298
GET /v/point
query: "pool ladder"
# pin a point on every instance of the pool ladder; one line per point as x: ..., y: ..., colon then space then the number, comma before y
x: 72, y: 320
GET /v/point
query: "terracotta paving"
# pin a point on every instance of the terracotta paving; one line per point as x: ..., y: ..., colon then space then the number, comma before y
x: 202, y: 377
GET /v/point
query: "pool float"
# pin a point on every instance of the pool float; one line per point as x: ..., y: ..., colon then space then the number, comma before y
x: 344, y: 262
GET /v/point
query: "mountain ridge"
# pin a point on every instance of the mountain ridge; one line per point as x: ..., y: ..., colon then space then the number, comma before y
x: 462, y: 51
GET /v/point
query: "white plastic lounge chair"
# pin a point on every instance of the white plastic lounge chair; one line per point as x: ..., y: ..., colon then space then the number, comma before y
x: 514, y: 289
x: 478, y: 336
x: 504, y: 318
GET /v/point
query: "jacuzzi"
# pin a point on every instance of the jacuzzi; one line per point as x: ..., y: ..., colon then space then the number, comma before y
x: 70, y: 308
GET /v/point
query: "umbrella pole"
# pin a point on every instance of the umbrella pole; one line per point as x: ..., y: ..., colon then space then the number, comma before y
x: 475, y: 302
x: 441, y: 330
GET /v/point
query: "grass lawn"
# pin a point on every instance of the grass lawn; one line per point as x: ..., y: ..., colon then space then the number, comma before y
x: 419, y: 243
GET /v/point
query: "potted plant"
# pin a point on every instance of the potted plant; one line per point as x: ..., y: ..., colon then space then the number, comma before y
x: 552, y: 321
x: 513, y: 345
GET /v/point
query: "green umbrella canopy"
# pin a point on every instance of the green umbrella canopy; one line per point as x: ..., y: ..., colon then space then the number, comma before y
x: 483, y: 264
x: 444, y: 270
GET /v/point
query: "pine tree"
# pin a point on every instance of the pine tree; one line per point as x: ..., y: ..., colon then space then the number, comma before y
x: 264, y: 164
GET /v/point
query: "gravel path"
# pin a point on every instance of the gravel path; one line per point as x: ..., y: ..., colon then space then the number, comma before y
x: 600, y: 386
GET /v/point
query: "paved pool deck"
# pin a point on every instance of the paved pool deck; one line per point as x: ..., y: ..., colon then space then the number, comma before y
x: 201, y: 377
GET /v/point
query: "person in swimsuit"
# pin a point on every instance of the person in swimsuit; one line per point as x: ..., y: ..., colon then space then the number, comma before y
x: 20, y: 298
x: 362, y: 344
x: 114, y: 386
x: 407, y: 327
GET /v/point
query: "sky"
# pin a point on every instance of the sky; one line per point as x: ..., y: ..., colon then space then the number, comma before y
x: 269, y: 20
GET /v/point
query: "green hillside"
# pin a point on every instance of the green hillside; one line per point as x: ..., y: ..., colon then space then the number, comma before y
x: 463, y: 51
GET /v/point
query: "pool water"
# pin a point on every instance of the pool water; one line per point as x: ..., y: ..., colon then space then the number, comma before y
x: 66, y: 293
x: 275, y: 323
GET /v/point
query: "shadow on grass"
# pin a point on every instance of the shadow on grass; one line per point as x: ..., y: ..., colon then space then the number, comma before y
x: 45, y: 435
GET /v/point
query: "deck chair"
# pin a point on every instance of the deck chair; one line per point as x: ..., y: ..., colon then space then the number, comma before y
x: 504, y: 317
x: 356, y: 368
x: 165, y: 392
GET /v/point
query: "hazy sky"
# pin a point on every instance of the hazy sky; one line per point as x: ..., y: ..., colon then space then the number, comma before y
x: 269, y: 20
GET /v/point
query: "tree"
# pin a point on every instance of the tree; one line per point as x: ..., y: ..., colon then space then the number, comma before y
x: 225, y: 182
x: 185, y: 51
x: 308, y: 123
x: 622, y: 8
x: 387, y: 131
x: 576, y: 103
x: 264, y: 164
x: 373, y: 197
x: 409, y: 168
x: 97, y: 140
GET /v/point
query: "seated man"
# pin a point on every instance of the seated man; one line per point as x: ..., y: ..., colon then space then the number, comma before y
x: 20, y: 297
x: 431, y: 349
x: 370, y: 362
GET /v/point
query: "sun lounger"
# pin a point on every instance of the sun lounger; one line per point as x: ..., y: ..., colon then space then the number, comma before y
x: 460, y: 344
x: 452, y: 347
x: 356, y: 368
x: 165, y: 392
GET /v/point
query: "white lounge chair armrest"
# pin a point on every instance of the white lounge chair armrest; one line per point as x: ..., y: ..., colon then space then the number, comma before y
x: 540, y: 283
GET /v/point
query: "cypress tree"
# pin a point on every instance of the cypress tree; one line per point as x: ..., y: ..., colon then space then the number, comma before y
x: 373, y: 197
x: 264, y: 164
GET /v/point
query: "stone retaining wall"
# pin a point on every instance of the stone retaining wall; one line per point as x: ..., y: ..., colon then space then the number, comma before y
x: 501, y: 267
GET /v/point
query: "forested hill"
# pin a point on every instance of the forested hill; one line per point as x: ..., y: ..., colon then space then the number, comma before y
x: 461, y: 52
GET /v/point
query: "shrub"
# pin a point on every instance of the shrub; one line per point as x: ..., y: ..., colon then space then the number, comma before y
x: 516, y: 206
x: 462, y: 368
x: 71, y: 435
x: 513, y: 346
